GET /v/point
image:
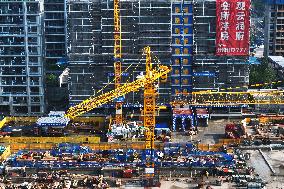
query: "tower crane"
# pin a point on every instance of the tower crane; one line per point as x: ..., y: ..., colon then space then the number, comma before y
x: 152, y: 75
x: 149, y: 103
x: 117, y: 58
x: 150, y: 94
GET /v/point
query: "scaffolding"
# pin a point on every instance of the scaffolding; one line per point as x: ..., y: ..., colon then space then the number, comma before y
x: 274, y: 28
x: 211, y: 71
x: 167, y: 27
x: 54, y: 33
x: 90, y: 44
x: 21, y: 67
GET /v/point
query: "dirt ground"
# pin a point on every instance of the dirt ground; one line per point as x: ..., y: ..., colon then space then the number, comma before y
x: 207, y: 135
x: 275, y: 158
x: 212, y: 134
x: 182, y: 185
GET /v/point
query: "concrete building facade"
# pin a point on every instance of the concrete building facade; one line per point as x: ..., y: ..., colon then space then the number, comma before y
x: 21, y: 57
x: 180, y: 33
x: 54, y: 34
x: 211, y: 71
x: 274, y: 28
x: 90, y: 44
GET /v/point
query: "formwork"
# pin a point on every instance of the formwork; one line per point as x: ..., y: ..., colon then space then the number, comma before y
x: 182, y: 41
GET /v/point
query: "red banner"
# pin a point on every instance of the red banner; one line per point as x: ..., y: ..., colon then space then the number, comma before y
x: 232, y: 27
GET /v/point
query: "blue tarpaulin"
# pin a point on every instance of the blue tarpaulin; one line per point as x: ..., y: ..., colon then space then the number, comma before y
x: 62, y: 61
x: 195, y: 158
x: 161, y: 126
x: 253, y: 60
x: 274, y: 2
x: 204, y: 74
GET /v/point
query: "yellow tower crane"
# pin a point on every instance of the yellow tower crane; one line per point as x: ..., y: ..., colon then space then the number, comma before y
x: 152, y: 75
x: 149, y: 103
x: 117, y: 58
x: 150, y: 94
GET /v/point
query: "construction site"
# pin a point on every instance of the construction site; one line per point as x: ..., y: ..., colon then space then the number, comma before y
x: 151, y: 103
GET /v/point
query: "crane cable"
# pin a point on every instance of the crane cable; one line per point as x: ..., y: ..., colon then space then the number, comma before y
x: 120, y: 75
x: 155, y: 57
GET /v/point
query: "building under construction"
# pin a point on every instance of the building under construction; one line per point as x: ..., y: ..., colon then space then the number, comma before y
x: 274, y: 28
x: 211, y: 71
x: 21, y: 58
x: 54, y: 34
x: 180, y: 34
x: 91, y: 44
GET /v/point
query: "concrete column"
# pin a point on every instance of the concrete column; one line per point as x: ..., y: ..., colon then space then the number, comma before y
x: 24, y: 4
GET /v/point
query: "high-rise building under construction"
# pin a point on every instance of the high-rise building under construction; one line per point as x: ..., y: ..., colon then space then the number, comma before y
x: 90, y: 44
x: 211, y: 71
x: 274, y: 28
x: 21, y: 58
x: 180, y: 34
x: 37, y: 34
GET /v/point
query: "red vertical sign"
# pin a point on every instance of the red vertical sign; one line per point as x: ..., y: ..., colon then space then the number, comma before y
x: 232, y: 27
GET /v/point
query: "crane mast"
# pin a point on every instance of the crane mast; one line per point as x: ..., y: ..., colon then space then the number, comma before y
x: 95, y: 102
x: 149, y: 102
x: 117, y: 59
x: 150, y: 94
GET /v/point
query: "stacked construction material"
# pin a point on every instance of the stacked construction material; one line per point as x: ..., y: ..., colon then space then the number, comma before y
x: 74, y: 155
x: 54, y: 120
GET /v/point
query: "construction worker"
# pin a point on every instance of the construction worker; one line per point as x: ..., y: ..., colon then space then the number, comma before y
x: 207, y: 174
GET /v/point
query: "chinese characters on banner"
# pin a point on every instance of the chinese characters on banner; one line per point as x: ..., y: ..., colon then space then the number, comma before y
x: 232, y: 27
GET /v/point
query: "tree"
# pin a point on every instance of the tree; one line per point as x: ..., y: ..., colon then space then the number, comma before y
x: 51, y: 80
x: 262, y: 73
